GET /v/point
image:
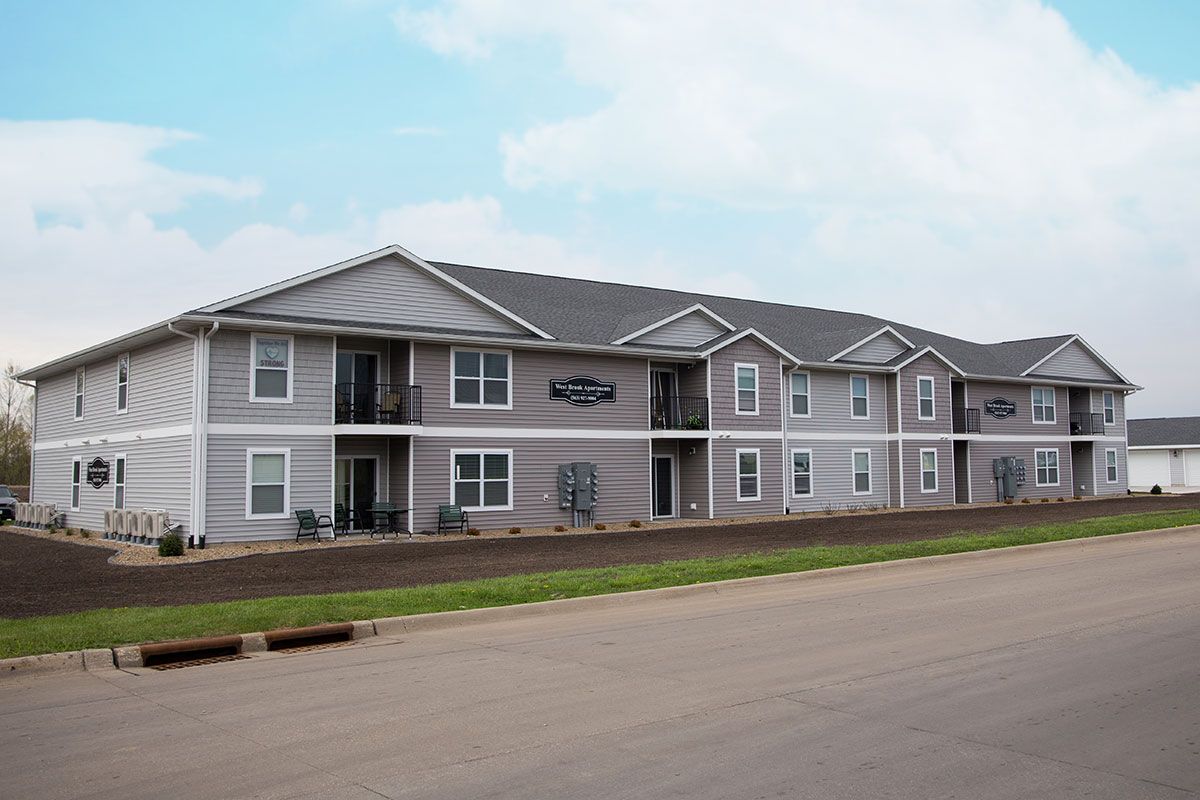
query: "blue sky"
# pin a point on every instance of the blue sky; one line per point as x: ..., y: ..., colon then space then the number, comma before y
x: 879, y: 164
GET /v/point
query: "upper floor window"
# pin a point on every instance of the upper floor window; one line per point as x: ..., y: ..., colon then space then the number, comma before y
x: 747, y: 388
x: 122, y: 384
x: 481, y: 378
x: 749, y: 486
x: 1046, y: 466
x: 860, y: 396
x: 800, y: 395
x: 1043, y: 404
x: 925, y: 408
x: 79, y: 383
x: 1110, y: 408
x: 271, y: 369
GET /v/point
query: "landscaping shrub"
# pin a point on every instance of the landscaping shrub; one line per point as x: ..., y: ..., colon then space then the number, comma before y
x: 69, y: 531
x: 1156, y: 489
x: 1025, y: 500
x: 1076, y: 497
x: 600, y: 526
x: 514, y: 530
x: 1047, y: 499
x: 85, y: 534
x: 1008, y: 501
x: 560, y: 528
x: 170, y: 546
x: 635, y: 523
x: 472, y: 531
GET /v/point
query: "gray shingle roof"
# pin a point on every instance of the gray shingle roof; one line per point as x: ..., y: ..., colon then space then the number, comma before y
x: 1164, y: 431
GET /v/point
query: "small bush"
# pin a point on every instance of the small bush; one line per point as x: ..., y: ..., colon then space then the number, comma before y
x: 170, y: 546
x: 1076, y: 497
x: 560, y: 528
x: 1046, y: 499
x: 1008, y: 501
x: 514, y: 530
x: 86, y: 534
x: 600, y: 526
x: 635, y: 523
x: 1062, y: 499
x: 1156, y: 489
x: 69, y: 531
x: 472, y: 531
x: 1025, y: 500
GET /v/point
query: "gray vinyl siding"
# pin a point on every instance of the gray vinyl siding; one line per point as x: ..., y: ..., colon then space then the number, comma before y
x: 397, y: 485
x: 889, y: 401
x: 1102, y: 484
x: 398, y: 371
x: 1117, y: 426
x: 925, y: 367
x: 693, y: 379
x: 623, y: 479
x: 893, y: 473
x: 1021, y: 423
x: 833, y: 474
x: 913, y: 497
x: 311, y: 485
x: 962, y: 459
x: 693, y: 329
x: 1075, y: 362
x: 693, y: 478
x: 160, y: 394
x: 829, y: 402
x: 531, y: 373
x: 725, y: 482
x: 984, y: 485
x: 877, y: 351
x: 229, y: 382
x: 724, y: 389
x: 363, y: 344
x: 385, y: 290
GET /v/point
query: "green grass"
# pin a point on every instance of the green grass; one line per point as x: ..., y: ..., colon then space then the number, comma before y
x: 109, y: 627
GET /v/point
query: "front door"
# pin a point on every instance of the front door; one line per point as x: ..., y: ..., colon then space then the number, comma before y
x: 356, y: 483
x: 663, y: 488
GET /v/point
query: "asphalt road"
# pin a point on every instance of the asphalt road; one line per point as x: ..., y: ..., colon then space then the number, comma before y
x: 1059, y: 673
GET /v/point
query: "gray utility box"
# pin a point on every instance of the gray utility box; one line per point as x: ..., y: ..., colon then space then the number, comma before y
x: 577, y: 486
x: 1009, y: 473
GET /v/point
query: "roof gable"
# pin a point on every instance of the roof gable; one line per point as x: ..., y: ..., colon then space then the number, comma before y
x: 1074, y: 359
x: 879, y: 347
x: 688, y: 327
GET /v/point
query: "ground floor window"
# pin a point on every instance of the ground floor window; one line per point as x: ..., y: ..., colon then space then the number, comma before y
x: 1110, y: 465
x: 482, y: 479
x: 76, y: 471
x: 802, y: 473
x: 861, y: 462
x: 749, y: 486
x: 929, y: 471
x: 267, y: 483
x: 119, y: 481
x: 1046, y: 462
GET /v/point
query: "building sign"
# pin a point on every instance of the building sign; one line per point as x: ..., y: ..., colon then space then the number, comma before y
x: 97, y: 472
x: 582, y: 390
x: 1000, y: 408
x: 272, y: 353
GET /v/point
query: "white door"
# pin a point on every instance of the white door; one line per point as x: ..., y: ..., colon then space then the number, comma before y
x: 1148, y: 467
x: 1191, y: 467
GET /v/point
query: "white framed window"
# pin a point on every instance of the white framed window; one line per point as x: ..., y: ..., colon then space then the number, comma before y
x: 1110, y: 408
x: 746, y: 378
x: 802, y: 478
x: 480, y: 379
x: 76, y: 479
x: 929, y: 471
x: 268, y: 483
x: 860, y: 397
x: 748, y: 484
x: 1042, y: 400
x: 925, y: 404
x: 801, y: 389
x: 271, y: 359
x: 122, y: 384
x: 120, y: 465
x: 860, y: 465
x: 80, y: 381
x: 1045, y: 467
x: 482, y: 480
x: 1110, y: 465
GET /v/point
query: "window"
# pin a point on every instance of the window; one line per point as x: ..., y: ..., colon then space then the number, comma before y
x: 119, y: 481
x: 925, y: 409
x: 861, y: 460
x: 1043, y: 404
x: 860, y: 407
x: 482, y: 479
x: 747, y: 388
x: 267, y: 483
x: 1046, y: 462
x: 800, y: 405
x: 79, y: 382
x: 122, y: 384
x: 802, y: 473
x: 1110, y: 465
x: 929, y: 471
x: 1110, y: 408
x: 747, y: 475
x: 76, y: 469
x: 271, y: 369
x: 481, y: 378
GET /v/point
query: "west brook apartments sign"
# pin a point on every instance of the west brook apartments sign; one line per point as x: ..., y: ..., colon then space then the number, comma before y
x: 1000, y: 408
x: 583, y: 390
x: 97, y: 472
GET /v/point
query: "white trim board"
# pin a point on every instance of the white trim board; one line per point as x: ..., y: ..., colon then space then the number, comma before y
x: 116, y: 438
x: 886, y: 329
x: 698, y: 308
x: 1077, y: 339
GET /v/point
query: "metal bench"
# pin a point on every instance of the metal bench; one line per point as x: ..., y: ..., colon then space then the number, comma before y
x: 451, y: 517
x: 309, y: 524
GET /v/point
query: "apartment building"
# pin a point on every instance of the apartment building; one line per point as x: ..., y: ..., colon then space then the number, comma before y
x: 390, y: 378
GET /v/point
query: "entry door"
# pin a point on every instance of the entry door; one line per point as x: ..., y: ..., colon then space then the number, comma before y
x: 355, y: 480
x: 663, y: 492
x: 357, y: 374
x: 663, y: 399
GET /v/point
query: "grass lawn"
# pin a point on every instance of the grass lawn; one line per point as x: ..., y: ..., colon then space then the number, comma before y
x: 109, y: 627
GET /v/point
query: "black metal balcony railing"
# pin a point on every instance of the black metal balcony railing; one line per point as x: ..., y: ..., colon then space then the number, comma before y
x: 673, y: 413
x: 377, y: 404
x: 966, y: 420
x: 1086, y: 424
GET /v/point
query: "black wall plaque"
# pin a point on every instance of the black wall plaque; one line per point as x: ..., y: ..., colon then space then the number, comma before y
x: 583, y: 390
x: 97, y: 472
x: 1000, y: 408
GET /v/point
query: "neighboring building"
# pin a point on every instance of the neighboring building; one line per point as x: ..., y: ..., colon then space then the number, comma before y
x: 390, y: 378
x: 1164, y: 451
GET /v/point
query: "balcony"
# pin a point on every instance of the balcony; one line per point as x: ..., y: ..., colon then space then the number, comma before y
x: 674, y: 413
x: 966, y: 420
x: 377, y: 404
x: 1086, y: 424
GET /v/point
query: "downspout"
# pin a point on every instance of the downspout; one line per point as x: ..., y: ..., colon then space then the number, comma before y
x: 32, y: 434
x: 204, y: 353
x: 194, y: 493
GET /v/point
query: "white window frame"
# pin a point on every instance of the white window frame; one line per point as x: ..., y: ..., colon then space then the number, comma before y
x: 481, y: 452
x: 1108, y: 402
x: 867, y: 384
x: 811, y: 486
x: 80, y: 392
x: 507, y: 406
x: 1115, y: 467
x: 286, y: 452
x: 854, y: 473
x: 1053, y: 403
x: 807, y: 394
x: 120, y: 479
x: 122, y: 409
x: 76, y: 482
x: 932, y: 397
x: 921, y: 469
x: 737, y: 473
x: 291, y: 367
x: 1057, y: 466
x: 737, y: 406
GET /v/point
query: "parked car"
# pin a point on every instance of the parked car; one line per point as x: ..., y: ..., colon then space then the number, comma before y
x: 8, y: 504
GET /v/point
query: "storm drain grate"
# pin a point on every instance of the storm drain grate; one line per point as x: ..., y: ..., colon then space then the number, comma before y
x: 309, y: 648
x: 199, y: 662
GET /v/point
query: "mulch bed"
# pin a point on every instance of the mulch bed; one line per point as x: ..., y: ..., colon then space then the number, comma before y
x: 41, y: 576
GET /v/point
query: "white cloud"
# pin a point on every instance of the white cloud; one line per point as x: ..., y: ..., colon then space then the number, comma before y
x: 298, y: 212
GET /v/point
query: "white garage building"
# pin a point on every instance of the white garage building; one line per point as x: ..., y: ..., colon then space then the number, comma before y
x: 1164, y: 451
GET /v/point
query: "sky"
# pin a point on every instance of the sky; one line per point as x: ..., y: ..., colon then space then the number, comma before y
x: 993, y: 170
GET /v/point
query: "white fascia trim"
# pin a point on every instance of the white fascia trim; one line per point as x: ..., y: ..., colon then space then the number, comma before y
x: 698, y: 308
x: 1162, y: 446
x: 1002, y: 437
x: 115, y: 438
x: 885, y: 329
x: 1091, y: 351
x: 390, y: 250
x: 1041, y: 381
x: 791, y: 359
x: 264, y: 429
x: 929, y: 350
x: 95, y: 351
